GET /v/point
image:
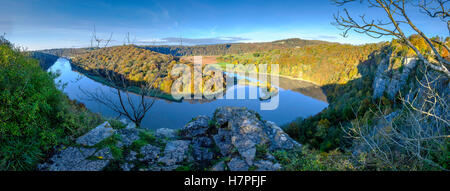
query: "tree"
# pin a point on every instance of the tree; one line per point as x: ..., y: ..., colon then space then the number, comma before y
x: 397, y: 18
x: 417, y: 132
x: 134, y: 110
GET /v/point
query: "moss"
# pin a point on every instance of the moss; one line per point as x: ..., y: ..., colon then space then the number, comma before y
x: 150, y: 138
x: 313, y: 160
x: 258, y: 116
x: 113, y: 165
x: 215, y: 149
x: 116, y: 124
x: 227, y: 159
x: 212, y: 123
x: 116, y: 152
x: 261, y: 151
x: 108, y: 142
x: 136, y: 145
x: 252, y: 168
x: 145, y: 138
x: 184, y: 168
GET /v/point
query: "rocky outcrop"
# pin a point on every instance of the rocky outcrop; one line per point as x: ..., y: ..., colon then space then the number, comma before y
x: 239, y: 134
x: 166, y: 133
x: 197, y: 127
x: 280, y: 140
x: 76, y: 159
x: 244, y: 131
x: 85, y: 157
x: 149, y: 153
x: 233, y: 139
x: 391, y: 80
x: 127, y: 136
x: 236, y: 164
x: 96, y: 135
x: 175, y: 152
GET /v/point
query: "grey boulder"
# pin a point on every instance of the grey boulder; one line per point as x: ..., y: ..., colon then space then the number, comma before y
x: 96, y: 135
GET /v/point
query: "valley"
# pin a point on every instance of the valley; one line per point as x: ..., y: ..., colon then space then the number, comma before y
x: 307, y: 82
x: 225, y: 86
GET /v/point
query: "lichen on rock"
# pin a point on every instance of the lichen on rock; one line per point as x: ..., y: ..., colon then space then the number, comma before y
x: 233, y: 139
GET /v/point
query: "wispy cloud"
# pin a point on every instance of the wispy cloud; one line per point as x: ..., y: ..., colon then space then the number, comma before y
x: 193, y: 41
x: 326, y: 37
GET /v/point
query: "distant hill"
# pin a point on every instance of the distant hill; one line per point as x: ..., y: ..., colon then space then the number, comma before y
x: 134, y: 63
x: 216, y: 49
x: 233, y: 48
x: 137, y: 66
x: 321, y: 64
x: 66, y: 52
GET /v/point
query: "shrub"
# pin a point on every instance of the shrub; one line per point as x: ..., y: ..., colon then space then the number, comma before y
x: 312, y: 160
x: 34, y: 115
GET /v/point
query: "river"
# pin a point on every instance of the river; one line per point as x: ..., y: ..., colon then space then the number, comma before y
x: 296, y: 99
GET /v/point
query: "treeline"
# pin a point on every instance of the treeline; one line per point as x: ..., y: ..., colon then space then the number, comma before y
x: 67, y: 52
x: 205, y: 50
x: 347, y: 101
x: 133, y: 63
x: 136, y: 66
x: 346, y: 74
x: 233, y: 48
x: 352, y: 106
x: 322, y: 64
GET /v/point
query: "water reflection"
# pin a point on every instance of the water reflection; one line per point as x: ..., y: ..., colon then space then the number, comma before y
x: 296, y: 99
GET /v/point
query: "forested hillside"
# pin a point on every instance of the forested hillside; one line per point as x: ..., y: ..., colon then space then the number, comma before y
x: 216, y: 49
x: 136, y: 65
x: 322, y: 64
x: 66, y: 52
x: 234, y: 48
x: 346, y: 73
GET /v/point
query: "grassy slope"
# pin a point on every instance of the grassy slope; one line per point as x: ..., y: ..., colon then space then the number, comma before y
x: 35, y: 116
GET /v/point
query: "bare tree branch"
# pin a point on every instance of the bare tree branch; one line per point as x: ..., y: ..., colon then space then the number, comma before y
x: 132, y: 105
x: 394, y: 9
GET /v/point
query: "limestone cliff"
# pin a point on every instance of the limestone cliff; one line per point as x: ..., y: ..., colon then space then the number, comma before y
x: 390, y: 79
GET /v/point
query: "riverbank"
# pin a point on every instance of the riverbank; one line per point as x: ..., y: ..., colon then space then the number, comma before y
x: 132, y: 89
x: 302, y: 86
x: 173, y: 115
x: 223, y: 67
x: 272, y: 91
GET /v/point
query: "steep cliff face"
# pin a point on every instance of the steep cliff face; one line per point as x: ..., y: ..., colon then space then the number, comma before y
x: 391, y: 79
x: 416, y: 129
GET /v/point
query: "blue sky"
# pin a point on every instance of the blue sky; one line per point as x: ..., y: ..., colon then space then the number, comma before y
x: 41, y: 24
